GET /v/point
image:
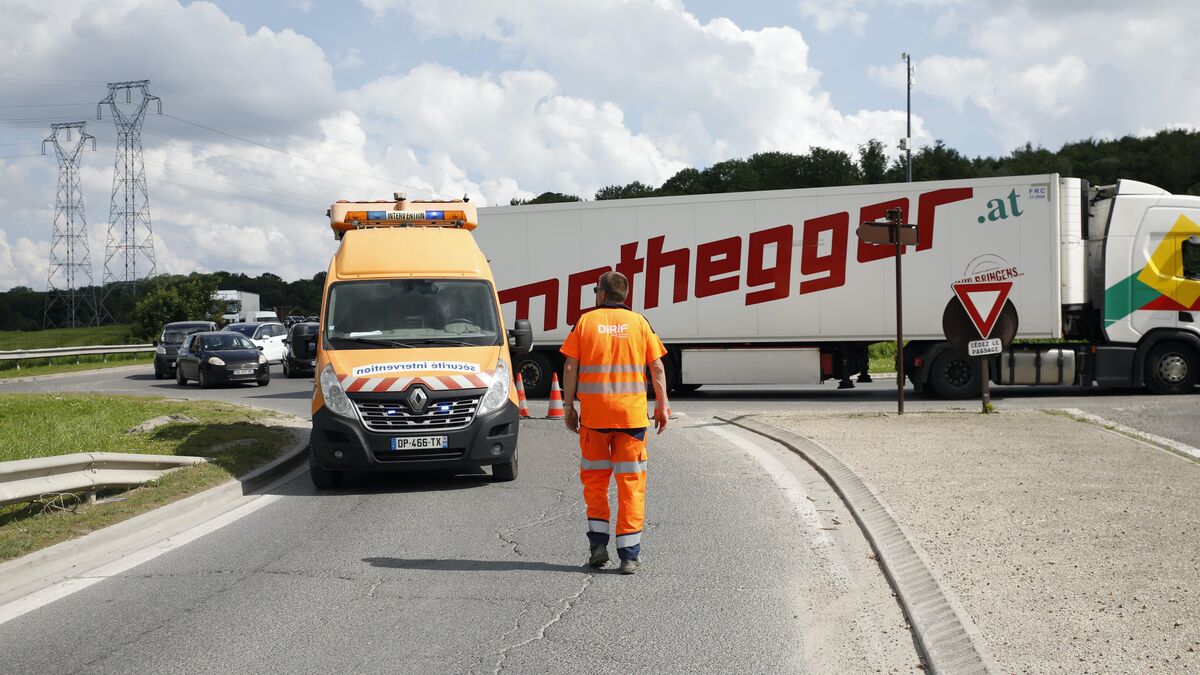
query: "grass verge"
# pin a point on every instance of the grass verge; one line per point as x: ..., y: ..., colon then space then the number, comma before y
x: 34, y: 368
x: 65, y: 337
x: 233, y: 438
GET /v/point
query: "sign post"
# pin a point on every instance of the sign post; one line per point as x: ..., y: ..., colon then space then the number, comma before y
x: 894, y: 231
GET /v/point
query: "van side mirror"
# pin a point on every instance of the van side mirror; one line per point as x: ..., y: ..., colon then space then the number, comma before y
x: 521, y: 338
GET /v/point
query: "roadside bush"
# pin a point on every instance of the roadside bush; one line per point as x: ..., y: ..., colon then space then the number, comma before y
x: 189, y: 300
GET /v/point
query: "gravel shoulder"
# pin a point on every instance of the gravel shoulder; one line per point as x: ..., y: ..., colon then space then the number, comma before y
x: 1071, y: 547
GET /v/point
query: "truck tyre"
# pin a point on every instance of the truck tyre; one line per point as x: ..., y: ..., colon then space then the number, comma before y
x: 1171, y: 368
x: 503, y: 473
x: 535, y: 370
x: 953, y: 376
x: 322, y: 479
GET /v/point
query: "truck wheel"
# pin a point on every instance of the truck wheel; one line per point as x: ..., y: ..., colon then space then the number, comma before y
x: 535, y: 370
x: 503, y: 473
x: 953, y: 376
x: 1171, y: 368
x: 322, y: 479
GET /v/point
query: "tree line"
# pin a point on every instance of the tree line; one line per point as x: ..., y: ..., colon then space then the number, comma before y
x: 168, y: 297
x: 1169, y: 159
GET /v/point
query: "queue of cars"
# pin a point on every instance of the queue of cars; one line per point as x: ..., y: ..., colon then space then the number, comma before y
x: 241, y: 352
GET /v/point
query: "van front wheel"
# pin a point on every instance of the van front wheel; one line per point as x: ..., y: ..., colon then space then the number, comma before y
x: 503, y: 473
x: 322, y: 479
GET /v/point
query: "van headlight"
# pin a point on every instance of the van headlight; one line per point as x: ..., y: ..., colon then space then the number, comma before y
x: 497, y: 393
x: 335, y: 397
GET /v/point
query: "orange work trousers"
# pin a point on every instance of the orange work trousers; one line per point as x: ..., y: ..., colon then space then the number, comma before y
x: 621, y: 453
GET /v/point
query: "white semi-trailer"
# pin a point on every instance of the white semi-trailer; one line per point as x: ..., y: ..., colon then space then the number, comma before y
x: 775, y: 288
x: 236, y: 306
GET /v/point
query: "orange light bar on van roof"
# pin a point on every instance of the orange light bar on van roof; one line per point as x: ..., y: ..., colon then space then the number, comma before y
x: 396, y: 215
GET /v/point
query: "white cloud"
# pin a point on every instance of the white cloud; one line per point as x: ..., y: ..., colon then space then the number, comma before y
x: 1048, y: 73
x: 830, y: 15
x: 606, y: 92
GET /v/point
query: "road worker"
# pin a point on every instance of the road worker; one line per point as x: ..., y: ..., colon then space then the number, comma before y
x: 607, y: 353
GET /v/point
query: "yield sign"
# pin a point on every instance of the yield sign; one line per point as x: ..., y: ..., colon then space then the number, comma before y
x: 983, y: 302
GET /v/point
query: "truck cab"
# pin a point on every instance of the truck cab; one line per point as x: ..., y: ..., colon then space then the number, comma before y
x: 414, y: 366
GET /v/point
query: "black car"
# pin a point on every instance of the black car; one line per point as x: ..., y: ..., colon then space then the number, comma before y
x: 219, y: 357
x: 300, y: 360
x: 167, y: 344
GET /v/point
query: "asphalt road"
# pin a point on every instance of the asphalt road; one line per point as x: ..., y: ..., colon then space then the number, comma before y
x: 752, y: 564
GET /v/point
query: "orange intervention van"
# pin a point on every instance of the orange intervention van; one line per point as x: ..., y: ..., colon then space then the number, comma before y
x: 414, y: 367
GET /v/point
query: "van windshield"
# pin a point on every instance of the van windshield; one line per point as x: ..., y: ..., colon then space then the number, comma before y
x: 412, y: 312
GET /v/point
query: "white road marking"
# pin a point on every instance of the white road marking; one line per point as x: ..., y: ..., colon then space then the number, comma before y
x: 1153, y: 439
x: 792, y: 489
x: 69, y: 586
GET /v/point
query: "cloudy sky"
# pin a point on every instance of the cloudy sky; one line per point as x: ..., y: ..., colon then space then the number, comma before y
x: 274, y: 108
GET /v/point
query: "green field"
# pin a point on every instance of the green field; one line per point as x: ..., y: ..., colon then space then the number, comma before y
x: 65, y: 337
x: 42, y: 425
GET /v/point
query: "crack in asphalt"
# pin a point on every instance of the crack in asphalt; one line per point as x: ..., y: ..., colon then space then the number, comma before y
x: 569, y: 603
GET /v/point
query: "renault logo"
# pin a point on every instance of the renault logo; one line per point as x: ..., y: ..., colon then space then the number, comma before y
x: 417, y: 399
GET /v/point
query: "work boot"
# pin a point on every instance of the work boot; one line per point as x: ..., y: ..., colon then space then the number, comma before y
x: 630, y: 566
x: 599, y: 556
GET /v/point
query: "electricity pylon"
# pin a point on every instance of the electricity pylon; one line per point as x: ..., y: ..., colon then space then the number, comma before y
x: 69, y: 282
x: 130, y: 237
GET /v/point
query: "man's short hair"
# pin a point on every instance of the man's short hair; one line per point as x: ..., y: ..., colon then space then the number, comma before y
x: 615, y: 286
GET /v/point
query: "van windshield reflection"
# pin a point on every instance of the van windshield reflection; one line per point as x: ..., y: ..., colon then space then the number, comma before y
x: 379, y: 314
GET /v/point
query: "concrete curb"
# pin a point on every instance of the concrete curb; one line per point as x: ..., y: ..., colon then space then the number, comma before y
x: 1182, y: 449
x: 54, y: 564
x: 947, y: 638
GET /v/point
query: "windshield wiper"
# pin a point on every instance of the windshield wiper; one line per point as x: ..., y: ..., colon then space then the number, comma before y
x: 448, y: 341
x: 375, y: 342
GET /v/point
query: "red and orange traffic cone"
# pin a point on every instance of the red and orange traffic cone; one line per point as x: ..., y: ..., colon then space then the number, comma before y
x: 556, y: 401
x: 522, y: 404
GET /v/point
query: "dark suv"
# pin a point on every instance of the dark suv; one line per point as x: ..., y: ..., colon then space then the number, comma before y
x: 301, y: 357
x: 167, y: 344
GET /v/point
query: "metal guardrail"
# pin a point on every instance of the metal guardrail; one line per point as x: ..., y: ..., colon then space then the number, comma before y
x: 25, y: 480
x: 19, y: 355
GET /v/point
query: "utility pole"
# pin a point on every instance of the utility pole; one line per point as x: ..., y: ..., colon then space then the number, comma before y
x: 130, y: 236
x: 69, y: 281
x: 908, y: 70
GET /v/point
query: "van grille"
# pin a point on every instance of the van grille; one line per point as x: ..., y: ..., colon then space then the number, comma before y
x: 441, y: 415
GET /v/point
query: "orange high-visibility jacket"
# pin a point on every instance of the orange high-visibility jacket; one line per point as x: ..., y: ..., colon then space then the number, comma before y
x: 613, y: 345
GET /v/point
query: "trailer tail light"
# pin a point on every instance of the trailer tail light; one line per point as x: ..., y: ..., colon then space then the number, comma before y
x: 826, y: 365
